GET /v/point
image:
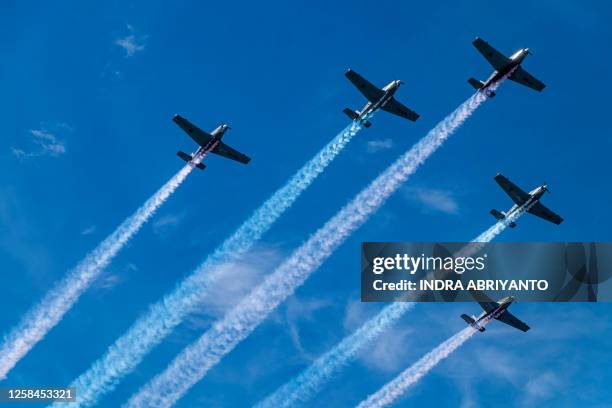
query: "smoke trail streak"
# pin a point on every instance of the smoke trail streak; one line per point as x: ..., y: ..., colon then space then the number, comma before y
x: 197, y: 359
x: 162, y: 317
x: 39, y: 320
x: 395, y: 388
x: 308, y: 383
x: 398, y: 386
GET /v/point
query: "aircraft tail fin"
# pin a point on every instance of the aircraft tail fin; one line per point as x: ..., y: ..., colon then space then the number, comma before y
x: 354, y: 116
x: 472, y: 322
x: 189, y: 158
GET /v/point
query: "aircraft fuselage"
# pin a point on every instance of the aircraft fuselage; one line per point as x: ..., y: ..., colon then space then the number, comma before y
x: 493, y: 314
x: 389, y: 91
x: 534, y: 196
x: 516, y: 59
x: 213, y: 142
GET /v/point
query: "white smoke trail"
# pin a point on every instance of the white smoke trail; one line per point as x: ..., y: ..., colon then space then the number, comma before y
x: 162, y: 317
x: 198, y: 358
x: 39, y: 320
x: 395, y: 388
x: 492, y: 232
x: 308, y: 383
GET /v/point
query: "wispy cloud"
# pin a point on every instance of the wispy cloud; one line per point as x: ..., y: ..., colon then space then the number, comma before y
x: 132, y: 43
x: 433, y: 199
x: 355, y: 314
x: 542, y: 387
x: 18, y: 240
x: 166, y: 222
x: 89, y: 230
x: 298, y: 310
x: 377, y: 145
x: 388, y: 353
x: 237, y: 279
x: 46, y: 144
x: 110, y: 279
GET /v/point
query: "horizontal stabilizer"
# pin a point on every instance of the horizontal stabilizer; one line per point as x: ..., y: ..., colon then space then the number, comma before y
x: 184, y: 156
x: 468, y: 319
x: 189, y: 159
x: 350, y: 113
x: 476, y: 83
x: 498, y: 215
x: 354, y: 116
x: 501, y: 216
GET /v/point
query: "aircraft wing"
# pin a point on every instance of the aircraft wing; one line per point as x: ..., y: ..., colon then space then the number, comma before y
x: 495, y: 58
x: 484, y: 301
x: 540, y: 211
x: 197, y: 134
x: 371, y: 92
x: 524, y: 78
x: 511, y: 320
x: 224, y: 150
x: 396, y: 108
x: 516, y: 194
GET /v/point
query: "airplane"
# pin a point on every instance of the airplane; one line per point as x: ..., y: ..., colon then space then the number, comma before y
x: 530, y: 200
x: 503, y: 66
x: 494, y: 310
x: 207, y: 143
x: 377, y: 99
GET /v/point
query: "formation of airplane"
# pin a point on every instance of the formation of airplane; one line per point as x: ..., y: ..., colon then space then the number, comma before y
x: 207, y: 143
x: 494, y: 310
x: 384, y: 99
x: 377, y: 99
x: 531, y: 200
x: 503, y: 66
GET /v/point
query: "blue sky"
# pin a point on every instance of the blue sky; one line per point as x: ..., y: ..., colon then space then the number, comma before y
x: 89, y: 93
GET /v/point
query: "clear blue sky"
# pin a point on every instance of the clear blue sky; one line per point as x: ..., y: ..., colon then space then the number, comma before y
x: 103, y: 141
